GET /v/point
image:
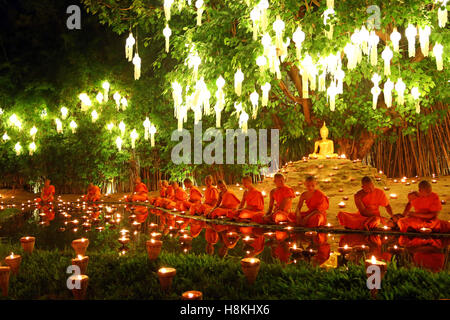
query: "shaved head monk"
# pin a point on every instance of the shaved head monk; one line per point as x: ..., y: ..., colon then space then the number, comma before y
x: 226, y: 203
x: 47, y: 193
x: 195, y: 195
x: 162, y: 186
x: 281, y: 197
x: 93, y: 193
x: 253, y: 201
x: 211, y: 197
x: 426, y: 206
x: 317, y: 203
x: 368, y: 200
x: 178, y: 198
x: 140, y: 193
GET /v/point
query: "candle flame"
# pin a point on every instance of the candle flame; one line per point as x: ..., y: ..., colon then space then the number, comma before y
x: 373, y: 260
x: 80, y: 257
x: 190, y: 295
x: 346, y: 247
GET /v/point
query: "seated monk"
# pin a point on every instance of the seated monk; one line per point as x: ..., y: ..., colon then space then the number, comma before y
x: 254, y: 201
x: 47, y: 193
x: 195, y: 195
x: 162, y: 186
x: 426, y: 206
x: 211, y: 197
x: 168, y: 196
x: 226, y: 203
x: 93, y: 193
x: 140, y: 193
x: 368, y: 200
x: 282, y: 196
x: 317, y: 203
x: 178, y: 199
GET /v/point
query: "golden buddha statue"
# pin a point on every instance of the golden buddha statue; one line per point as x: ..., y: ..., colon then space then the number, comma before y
x: 324, y: 148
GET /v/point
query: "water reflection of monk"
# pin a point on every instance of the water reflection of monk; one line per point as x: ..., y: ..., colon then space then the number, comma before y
x: 426, y: 253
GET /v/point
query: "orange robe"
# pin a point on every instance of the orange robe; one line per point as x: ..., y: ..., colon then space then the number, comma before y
x: 211, y: 197
x: 93, y: 194
x: 168, y: 196
x: 318, y: 201
x: 372, y: 201
x: 162, y: 194
x: 228, y: 204
x: 255, y: 199
x: 177, y: 202
x: 48, y: 196
x: 140, y: 193
x: 279, y: 195
x: 430, y: 203
x: 195, y: 197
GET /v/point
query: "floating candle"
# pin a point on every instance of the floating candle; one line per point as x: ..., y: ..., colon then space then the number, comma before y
x: 341, y: 204
x: 393, y: 196
x: 27, y: 243
x: 13, y: 261
x: 165, y: 276
x: 153, y: 248
x: 192, y: 295
x: 250, y: 268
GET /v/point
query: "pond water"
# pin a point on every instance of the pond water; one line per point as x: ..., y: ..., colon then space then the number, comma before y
x: 56, y: 226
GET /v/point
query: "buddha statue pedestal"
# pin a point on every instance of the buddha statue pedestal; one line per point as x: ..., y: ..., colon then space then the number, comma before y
x: 323, y: 149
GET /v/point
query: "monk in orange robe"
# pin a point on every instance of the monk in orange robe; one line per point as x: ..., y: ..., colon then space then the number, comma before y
x: 195, y: 195
x: 426, y: 206
x: 226, y: 203
x: 282, y: 196
x: 168, y: 196
x: 178, y: 199
x: 93, y: 193
x: 317, y: 203
x: 47, y: 193
x: 253, y: 201
x: 211, y: 197
x: 162, y: 186
x: 140, y: 193
x: 368, y: 200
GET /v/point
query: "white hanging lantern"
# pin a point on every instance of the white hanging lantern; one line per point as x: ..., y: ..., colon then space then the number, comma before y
x: 332, y: 92
x: 33, y: 132
x: 206, y: 98
x: 266, y: 41
x: 265, y: 96
x: 124, y: 103
x: 298, y: 37
x: 5, y: 137
x: 85, y: 101
x: 110, y: 126
x: 263, y: 5
x: 194, y: 61
x: 152, y: 131
x: 438, y: 49
x: 278, y: 26
x: 373, y: 48
x: 375, y: 93
x: 238, y: 108
x: 73, y: 125
x: 32, y: 148
x: 220, y: 96
x: 137, y: 66
x: 400, y: 88
x: 94, y: 116
x: 181, y: 115
x: 119, y: 143
x: 411, y: 33
x: 255, y: 16
x: 330, y: 4
x: 167, y: 6
x: 261, y: 61
x: 238, y: 78
x: 357, y: 43
x: 18, y: 148
x: 442, y: 14
x: 59, y: 128
x: 122, y: 127
x: 200, y: 9
x: 116, y: 98
x: 322, y: 81
x: 243, y: 120
x: 133, y: 135
x: 64, y: 113
x: 254, y: 97
x: 14, y: 120
x: 376, y: 79
x: 146, y: 128
x: 416, y: 94
x: 326, y: 16
x: 424, y: 39
x: 177, y: 95
x: 129, y: 47
x: 387, y: 55
x: 395, y: 38
x: 364, y: 36
x: 340, y: 75
x: 350, y: 52
x: 387, y: 91
x: 167, y: 33
x: 105, y: 86
x: 99, y: 97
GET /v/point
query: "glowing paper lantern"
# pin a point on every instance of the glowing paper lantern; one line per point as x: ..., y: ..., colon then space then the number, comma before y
x: 122, y: 127
x: 152, y: 131
x: 387, y: 55
x: 326, y: 16
x: 416, y: 94
x: 278, y: 27
x: 110, y: 126
x: 266, y: 41
x: 167, y: 5
x: 254, y: 97
x: 94, y: 116
x: 146, y: 127
x: 167, y: 33
x: 424, y: 39
x: 99, y: 97
x: 395, y: 38
x: 261, y: 61
x: 105, y: 86
x: 438, y: 49
x: 137, y: 66
x: 18, y: 148
x: 124, y: 103
x: 376, y: 79
x: 85, y: 101
x: 322, y: 84
x: 200, y: 9
x: 129, y: 47
x: 193, y: 62
x: 116, y: 98
x: 119, y: 143
x: 332, y: 92
x: 243, y: 120
x: 133, y: 135
x: 351, y: 53
x: 14, y: 120
x: 64, y: 113
x: 263, y: 5
x: 373, y: 48
x: 400, y: 88
x: 298, y: 37
x: 220, y: 102
x: 177, y: 95
x: 265, y: 96
x: 255, y: 16
x: 238, y: 78
x: 330, y: 4
x: 387, y: 91
x: 442, y: 14
x: 33, y: 132
x: 375, y: 93
x: 5, y: 137
x: 357, y: 43
x: 32, y: 148
x: 59, y: 128
x: 238, y: 108
x: 411, y: 33
x: 73, y: 125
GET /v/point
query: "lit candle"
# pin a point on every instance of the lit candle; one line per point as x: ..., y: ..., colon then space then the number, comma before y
x: 192, y: 295
x: 345, y: 198
x: 393, y: 196
x: 341, y: 204
x: 269, y: 235
x: 425, y: 230
x: 80, y: 246
x: 295, y: 250
x: 185, y: 239
x: 374, y: 262
x: 155, y: 235
x: 27, y: 244
x: 250, y: 267
x: 345, y: 249
x: 79, y: 294
x: 165, y: 276
x: 81, y: 262
x: 13, y: 261
x: 153, y: 248
x: 433, y: 181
